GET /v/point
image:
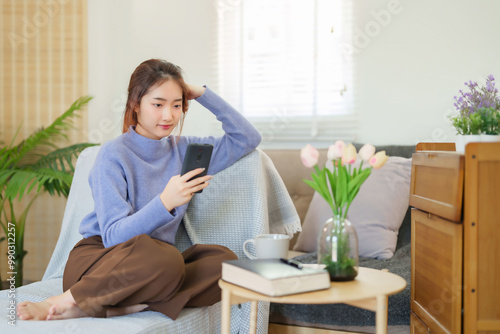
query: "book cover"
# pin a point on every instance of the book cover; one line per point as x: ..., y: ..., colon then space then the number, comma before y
x: 273, y: 277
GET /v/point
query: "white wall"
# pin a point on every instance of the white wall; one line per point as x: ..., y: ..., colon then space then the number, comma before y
x: 408, y: 66
x: 409, y: 73
x: 123, y: 33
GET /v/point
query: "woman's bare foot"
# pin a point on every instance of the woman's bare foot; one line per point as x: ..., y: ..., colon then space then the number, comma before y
x: 65, y: 311
x: 64, y: 307
x: 33, y: 311
x: 58, y: 307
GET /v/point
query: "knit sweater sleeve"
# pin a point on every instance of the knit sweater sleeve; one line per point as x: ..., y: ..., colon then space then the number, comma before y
x: 240, y: 136
x: 118, y: 219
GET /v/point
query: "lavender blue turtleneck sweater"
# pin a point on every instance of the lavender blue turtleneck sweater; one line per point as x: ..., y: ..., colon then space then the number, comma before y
x: 131, y: 171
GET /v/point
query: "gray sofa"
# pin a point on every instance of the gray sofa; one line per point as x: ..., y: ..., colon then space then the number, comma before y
x: 341, y: 316
x: 271, y: 208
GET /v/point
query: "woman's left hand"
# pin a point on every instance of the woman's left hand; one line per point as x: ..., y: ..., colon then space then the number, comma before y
x: 195, y: 91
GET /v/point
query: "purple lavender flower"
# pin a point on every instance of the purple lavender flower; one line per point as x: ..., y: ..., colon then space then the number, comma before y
x: 477, y: 97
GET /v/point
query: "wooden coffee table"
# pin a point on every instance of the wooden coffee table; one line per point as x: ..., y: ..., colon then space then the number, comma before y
x: 370, y: 290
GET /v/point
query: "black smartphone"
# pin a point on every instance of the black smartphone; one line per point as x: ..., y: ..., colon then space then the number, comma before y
x: 197, y: 156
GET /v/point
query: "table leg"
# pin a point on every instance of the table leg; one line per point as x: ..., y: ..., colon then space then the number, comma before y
x: 226, y: 312
x: 381, y: 314
x: 253, y: 317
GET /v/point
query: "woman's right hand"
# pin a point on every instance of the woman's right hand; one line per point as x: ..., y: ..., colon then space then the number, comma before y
x: 179, y: 190
x: 195, y: 91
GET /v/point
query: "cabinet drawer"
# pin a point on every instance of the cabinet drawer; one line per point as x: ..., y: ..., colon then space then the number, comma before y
x: 436, y: 271
x: 437, y: 182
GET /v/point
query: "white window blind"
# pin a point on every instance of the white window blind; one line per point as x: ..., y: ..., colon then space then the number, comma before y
x: 280, y: 63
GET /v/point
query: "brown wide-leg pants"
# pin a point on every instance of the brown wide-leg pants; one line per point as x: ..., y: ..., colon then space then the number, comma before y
x: 143, y: 270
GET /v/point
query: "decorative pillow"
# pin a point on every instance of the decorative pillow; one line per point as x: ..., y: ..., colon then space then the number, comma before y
x: 376, y: 213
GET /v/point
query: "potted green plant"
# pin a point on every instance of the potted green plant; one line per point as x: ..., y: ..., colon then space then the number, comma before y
x: 478, y: 111
x: 34, y: 165
x: 490, y: 124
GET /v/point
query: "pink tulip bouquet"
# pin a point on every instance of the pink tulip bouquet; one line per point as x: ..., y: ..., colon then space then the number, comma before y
x: 340, y: 186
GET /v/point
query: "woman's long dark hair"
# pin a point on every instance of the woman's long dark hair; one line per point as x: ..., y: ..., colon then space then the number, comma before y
x: 148, y: 74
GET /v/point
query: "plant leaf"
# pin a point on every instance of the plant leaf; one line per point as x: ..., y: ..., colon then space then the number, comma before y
x: 312, y: 185
x: 59, y: 158
x: 341, y: 187
x: 24, y: 153
x: 37, y: 163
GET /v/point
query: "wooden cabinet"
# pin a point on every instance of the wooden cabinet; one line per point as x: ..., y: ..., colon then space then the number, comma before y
x: 455, y: 278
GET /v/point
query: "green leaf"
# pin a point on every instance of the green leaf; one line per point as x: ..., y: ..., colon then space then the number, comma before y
x: 17, y: 183
x: 36, y: 145
x: 356, y: 184
x: 37, y: 163
x: 320, y: 180
x: 61, y: 158
x: 359, y: 179
x: 341, y: 187
x: 331, y: 178
x: 311, y: 184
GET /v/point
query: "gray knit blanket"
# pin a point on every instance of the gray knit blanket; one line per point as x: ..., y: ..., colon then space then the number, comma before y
x: 249, y: 197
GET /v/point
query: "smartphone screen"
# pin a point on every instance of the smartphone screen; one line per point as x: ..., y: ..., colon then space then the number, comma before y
x: 197, y: 156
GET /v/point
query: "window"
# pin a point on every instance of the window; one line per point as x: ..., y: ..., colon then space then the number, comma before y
x: 281, y: 64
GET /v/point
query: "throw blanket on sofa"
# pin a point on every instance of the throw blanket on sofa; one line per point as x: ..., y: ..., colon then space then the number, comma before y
x: 250, y: 197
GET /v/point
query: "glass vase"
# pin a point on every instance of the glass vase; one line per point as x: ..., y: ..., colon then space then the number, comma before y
x: 338, y: 249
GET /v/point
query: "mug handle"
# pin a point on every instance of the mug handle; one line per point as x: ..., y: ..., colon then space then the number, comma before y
x: 251, y: 241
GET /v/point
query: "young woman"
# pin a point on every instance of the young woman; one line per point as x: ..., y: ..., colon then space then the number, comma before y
x: 126, y: 262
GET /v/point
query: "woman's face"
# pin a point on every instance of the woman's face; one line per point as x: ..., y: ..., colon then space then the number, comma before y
x: 160, y: 110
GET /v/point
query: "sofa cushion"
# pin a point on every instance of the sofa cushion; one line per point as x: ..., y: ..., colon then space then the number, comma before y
x: 377, y: 211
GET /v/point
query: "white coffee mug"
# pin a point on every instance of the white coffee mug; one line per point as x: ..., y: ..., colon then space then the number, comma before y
x: 268, y: 246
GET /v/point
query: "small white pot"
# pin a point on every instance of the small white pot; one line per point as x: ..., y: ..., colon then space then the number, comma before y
x: 490, y: 138
x: 462, y: 140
